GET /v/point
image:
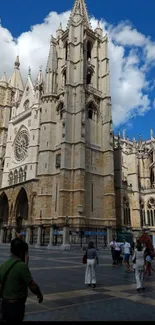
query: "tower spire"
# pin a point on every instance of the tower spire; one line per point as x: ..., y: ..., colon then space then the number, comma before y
x: 17, y: 63
x: 15, y: 81
x: 80, y: 9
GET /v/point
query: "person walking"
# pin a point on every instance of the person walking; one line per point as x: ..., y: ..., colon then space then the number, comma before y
x: 15, y: 279
x: 117, y: 249
x: 126, y: 250
x: 112, y: 247
x: 92, y: 260
x: 19, y: 235
x: 138, y: 259
x: 148, y: 260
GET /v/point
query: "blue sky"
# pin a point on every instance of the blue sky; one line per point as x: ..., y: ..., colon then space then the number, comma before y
x: 140, y: 14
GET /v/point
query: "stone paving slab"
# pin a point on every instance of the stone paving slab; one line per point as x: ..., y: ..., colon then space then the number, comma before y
x: 66, y: 298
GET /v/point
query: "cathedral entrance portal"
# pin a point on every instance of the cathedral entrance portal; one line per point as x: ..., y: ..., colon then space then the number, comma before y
x: 4, y: 208
x: 21, y: 208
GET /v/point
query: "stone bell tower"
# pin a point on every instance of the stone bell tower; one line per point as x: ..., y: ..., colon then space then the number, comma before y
x: 76, y: 139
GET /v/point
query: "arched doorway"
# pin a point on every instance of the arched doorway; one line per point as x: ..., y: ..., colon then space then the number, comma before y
x: 4, y: 208
x: 21, y: 208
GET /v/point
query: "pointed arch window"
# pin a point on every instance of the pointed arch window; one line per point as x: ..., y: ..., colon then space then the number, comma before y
x: 25, y: 173
x: 60, y: 110
x: 15, y: 176
x: 126, y: 211
x: 64, y: 78
x: 152, y: 177
x: 11, y: 178
x: 20, y: 175
x: 92, y: 113
x: 142, y: 214
x: 89, y: 77
x: 89, y: 49
x: 66, y: 50
x: 151, y: 212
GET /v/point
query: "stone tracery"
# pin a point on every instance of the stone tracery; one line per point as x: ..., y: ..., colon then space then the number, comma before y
x: 21, y: 145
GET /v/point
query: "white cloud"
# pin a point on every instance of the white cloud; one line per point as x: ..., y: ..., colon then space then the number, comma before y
x: 130, y: 54
x: 126, y: 35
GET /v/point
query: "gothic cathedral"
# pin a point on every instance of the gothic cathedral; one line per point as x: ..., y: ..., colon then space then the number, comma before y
x: 58, y: 154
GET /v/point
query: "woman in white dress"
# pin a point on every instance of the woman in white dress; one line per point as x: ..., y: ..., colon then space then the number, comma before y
x: 138, y: 260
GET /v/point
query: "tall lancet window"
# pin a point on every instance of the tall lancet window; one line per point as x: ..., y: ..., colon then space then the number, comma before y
x: 126, y: 212
x: 64, y: 78
x: 142, y: 213
x: 151, y: 212
x: 89, y: 49
x: 89, y: 78
x: 60, y: 110
x: 66, y: 50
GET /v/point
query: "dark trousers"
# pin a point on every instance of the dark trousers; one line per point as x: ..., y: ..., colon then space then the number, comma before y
x: 13, y: 312
x: 113, y: 255
x: 117, y: 256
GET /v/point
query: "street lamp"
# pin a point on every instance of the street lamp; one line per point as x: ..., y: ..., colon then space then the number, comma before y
x: 66, y: 220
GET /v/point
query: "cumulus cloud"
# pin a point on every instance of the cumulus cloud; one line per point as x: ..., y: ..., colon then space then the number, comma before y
x: 131, y: 56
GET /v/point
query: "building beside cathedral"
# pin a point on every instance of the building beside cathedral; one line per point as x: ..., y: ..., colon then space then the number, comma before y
x: 58, y: 154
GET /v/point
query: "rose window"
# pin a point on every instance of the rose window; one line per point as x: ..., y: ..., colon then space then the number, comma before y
x: 21, y: 145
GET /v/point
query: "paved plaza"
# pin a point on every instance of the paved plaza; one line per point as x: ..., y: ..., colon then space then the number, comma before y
x: 61, y: 278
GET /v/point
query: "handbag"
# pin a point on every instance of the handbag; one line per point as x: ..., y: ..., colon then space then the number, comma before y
x: 2, y: 286
x: 84, y: 259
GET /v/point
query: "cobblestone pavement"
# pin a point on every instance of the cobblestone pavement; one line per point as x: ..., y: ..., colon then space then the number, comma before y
x: 61, y: 278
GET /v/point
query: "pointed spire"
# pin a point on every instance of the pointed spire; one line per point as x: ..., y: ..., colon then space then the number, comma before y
x: 29, y: 72
x: 40, y: 76
x: 80, y: 9
x: 98, y: 29
x: 17, y: 63
x: 3, y: 80
x: 151, y: 133
x: 124, y: 134
x: 52, y: 58
x: 60, y: 26
x: 15, y: 81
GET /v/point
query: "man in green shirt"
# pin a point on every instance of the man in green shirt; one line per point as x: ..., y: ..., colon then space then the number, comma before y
x: 14, y: 289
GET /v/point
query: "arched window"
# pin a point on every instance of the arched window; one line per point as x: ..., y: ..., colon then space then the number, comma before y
x: 64, y: 78
x: 126, y: 211
x: 89, y: 77
x: 20, y: 175
x: 152, y: 177
x: 26, y: 105
x: 92, y: 112
x: 142, y: 213
x: 89, y: 48
x: 25, y: 173
x: 15, y: 177
x: 151, y: 212
x: 60, y: 110
x: 11, y: 178
x: 66, y: 50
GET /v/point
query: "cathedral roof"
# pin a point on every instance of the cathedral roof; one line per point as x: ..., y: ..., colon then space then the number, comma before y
x: 81, y: 9
x: 15, y: 80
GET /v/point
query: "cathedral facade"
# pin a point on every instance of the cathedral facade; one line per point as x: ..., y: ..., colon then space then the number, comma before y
x: 58, y: 154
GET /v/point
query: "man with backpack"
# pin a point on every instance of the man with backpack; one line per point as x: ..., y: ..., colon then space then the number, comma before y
x: 15, y: 279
